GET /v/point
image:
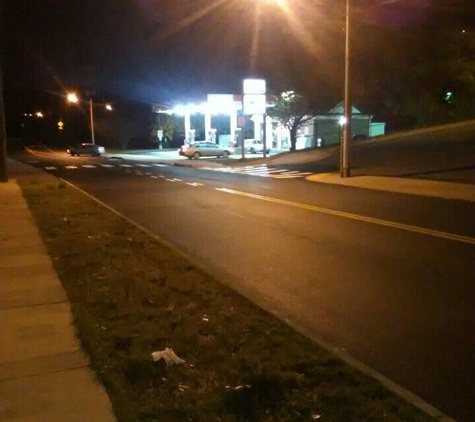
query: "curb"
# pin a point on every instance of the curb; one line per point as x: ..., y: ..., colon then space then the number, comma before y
x: 406, y: 186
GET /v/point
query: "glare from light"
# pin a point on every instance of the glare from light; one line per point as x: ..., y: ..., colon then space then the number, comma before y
x: 39, y: 114
x: 301, y: 34
x: 72, y: 98
x: 108, y: 107
x: 342, y: 120
x: 195, y: 17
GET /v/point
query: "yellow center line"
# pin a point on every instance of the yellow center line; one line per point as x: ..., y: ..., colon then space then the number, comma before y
x: 342, y: 214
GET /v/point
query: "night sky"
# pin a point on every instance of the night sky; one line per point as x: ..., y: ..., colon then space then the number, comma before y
x: 159, y: 50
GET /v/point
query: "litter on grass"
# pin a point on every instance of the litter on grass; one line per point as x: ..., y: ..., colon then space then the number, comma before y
x: 168, y: 355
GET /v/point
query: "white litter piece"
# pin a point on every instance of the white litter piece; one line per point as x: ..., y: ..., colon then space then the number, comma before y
x: 169, y: 355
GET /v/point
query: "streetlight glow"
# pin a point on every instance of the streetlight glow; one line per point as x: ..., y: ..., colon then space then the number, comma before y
x: 73, y: 98
x: 108, y: 107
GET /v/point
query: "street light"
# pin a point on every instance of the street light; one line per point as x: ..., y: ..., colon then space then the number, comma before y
x: 73, y: 98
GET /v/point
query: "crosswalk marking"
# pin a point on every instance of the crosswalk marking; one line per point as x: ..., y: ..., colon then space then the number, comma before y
x: 256, y: 171
x: 261, y: 171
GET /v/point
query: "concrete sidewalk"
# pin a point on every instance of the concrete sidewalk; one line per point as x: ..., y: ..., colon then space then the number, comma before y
x: 432, y: 188
x: 44, y: 376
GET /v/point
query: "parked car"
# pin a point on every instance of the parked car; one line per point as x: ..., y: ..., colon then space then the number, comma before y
x: 205, y: 149
x: 255, y: 146
x: 86, y: 149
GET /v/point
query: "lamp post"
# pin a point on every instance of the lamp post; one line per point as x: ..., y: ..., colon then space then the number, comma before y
x: 345, y: 142
x: 92, y: 121
x: 73, y: 98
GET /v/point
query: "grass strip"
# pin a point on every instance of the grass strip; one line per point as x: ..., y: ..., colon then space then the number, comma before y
x: 131, y: 296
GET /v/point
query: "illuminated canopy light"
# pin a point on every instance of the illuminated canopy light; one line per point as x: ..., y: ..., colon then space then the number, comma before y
x: 218, y: 107
x: 183, y: 109
x: 342, y: 120
x: 221, y: 104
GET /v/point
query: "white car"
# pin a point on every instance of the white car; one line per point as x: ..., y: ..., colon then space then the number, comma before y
x: 86, y: 149
x: 255, y: 146
x: 205, y: 149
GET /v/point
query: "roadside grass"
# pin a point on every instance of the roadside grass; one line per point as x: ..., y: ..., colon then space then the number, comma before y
x: 131, y: 296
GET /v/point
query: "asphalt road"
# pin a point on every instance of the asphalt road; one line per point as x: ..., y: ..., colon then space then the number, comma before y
x: 390, y: 291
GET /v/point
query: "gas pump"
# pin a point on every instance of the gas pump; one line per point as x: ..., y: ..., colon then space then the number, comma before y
x: 191, y: 136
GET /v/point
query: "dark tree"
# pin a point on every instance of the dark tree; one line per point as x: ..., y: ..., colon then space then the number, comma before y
x: 293, y: 110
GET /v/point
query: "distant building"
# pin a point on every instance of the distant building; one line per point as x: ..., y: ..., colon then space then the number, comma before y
x: 327, y: 129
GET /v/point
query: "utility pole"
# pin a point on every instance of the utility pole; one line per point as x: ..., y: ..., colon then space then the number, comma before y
x: 90, y: 94
x: 92, y: 121
x: 345, y: 142
x: 3, y: 134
